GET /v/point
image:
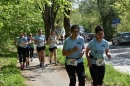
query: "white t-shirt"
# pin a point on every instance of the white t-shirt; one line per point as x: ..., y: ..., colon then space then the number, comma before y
x: 53, y: 44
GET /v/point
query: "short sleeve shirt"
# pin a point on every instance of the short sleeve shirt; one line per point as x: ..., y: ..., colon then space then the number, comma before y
x: 40, y: 40
x: 69, y: 44
x: 53, y: 44
x: 97, y: 49
x: 20, y: 40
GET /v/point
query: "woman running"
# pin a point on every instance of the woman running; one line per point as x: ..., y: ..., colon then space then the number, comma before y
x: 31, y: 46
x: 21, y: 44
x: 73, y: 49
x: 40, y: 41
x: 52, y: 40
x: 94, y: 53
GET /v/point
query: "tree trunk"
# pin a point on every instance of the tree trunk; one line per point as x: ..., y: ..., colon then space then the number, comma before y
x: 67, y: 23
x: 46, y: 16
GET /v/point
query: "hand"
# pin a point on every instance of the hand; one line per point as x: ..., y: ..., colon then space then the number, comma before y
x: 22, y: 42
x: 108, y: 55
x: 81, y: 53
x: 75, y: 49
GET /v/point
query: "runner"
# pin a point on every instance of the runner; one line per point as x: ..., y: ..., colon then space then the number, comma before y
x: 73, y: 49
x: 96, y: 63
x: 31, y: 46
x: 52, y: 40
x: 40, y: 40
x: 21, y: 44
x: 27, y: 49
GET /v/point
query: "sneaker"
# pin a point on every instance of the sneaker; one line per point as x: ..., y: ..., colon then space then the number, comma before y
x: 50, y: 62
x: 31, y: 59
x: 27, y: 64
x: 40, y: 64
x: 55, y: 64
x: 43, y: 65
x: 23, y: 67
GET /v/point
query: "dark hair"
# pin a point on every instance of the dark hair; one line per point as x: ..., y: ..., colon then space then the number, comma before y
x: 99, y: 28
x: 74, y: 26
x: 39, y: 30
x: 52, y: 31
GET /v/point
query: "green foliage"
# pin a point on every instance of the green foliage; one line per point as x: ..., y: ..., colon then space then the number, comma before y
x: 10, y: 75
x: 18, y: 16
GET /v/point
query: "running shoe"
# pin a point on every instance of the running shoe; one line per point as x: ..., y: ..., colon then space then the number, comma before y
x: 31, y: 59
x: 55, y: 64
x: 40, y: 64
x: 50, y: 62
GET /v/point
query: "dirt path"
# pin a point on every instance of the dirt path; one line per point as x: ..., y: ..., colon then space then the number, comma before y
x: 50, y: 76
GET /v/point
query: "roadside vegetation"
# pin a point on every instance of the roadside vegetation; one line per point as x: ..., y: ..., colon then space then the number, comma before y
x: 10, y: 74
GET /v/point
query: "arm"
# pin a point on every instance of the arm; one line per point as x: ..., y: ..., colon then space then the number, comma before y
x: 49, y: 41
x: 87, y: 55
x: 82, y: 52
x: 45, y: 42
x: 35, y: 41
x: 69, y: 52
x: 29, y: 42
x: 66, y: 52
x: 108, y: 53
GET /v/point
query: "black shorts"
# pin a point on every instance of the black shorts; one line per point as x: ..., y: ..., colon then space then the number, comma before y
x: 51, y: 49
x: 41, y: 48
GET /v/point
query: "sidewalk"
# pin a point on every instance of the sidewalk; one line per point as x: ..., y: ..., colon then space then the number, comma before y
x: 50, y: 76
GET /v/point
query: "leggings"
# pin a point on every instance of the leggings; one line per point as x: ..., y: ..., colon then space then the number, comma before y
x: 97, y: 74
x: 31, y: 52
x: 79, y: 69
x: 22, y: 54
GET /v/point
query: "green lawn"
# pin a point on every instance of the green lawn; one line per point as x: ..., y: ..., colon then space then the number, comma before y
x: 10, y: 75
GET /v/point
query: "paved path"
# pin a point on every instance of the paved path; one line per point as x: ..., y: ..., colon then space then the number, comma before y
x: 50, y: 76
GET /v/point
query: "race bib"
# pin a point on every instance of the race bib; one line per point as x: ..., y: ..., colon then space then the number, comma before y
x: 21, y: 45
x: 72, y: 62
x: 41, y: 44
x: 100, y: 62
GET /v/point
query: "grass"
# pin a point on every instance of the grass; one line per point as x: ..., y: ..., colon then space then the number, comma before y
x: 10, y: 75
x: 112, y: 77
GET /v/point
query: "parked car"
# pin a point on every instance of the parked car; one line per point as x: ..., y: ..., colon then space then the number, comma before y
x: 90, y: 36
x: 122, y: 37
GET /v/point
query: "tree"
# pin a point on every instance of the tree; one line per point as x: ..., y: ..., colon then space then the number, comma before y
x: 100, y: 12
x: 17, y: 16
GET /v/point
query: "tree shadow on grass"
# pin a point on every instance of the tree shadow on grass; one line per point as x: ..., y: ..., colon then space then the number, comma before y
x: 8, y: 54
x: 10, y: 69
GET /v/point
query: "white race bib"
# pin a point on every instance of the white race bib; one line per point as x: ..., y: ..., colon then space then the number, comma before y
x: 100, y: 62
x: 72, y: 62
x: 41, y: 44
x: 21, y: 45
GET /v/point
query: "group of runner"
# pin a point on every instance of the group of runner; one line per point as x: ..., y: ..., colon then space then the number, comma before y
x: 73, y: 50
x: 25, y: 47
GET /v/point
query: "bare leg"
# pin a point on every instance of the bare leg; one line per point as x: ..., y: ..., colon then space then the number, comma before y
x: 39, y: 56
x: 51, y: 54
x: 55, y: 56
x: 42, y: 52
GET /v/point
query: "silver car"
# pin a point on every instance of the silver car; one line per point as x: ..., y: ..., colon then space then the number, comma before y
x: 123, y: 37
